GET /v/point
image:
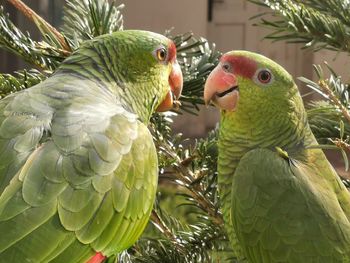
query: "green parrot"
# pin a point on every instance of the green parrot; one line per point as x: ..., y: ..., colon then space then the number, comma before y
x: 281, y: 200
x: 78, y: 166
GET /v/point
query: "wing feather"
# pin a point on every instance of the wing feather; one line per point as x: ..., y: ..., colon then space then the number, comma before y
x: 84, y: 169
x: 281, y: 215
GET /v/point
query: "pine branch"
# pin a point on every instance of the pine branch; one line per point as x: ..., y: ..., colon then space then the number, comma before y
x: 198, y: 243
x: 86, y: 19
x: 40, y: 55
x: 324, y: 120
x: 334, y: 99
x: 303, y: 22
x: 193, y: 172
x: 19, y: 81
x: 12, y: 39
x: 192, y: 178
x: 337, y: 94
x: 325, y: 117
x: 42, y: 24
x: 344, y: 144
x: 332, y: 89
x: 336, y: 8
x: 164, y: 229
x: 186, y: 178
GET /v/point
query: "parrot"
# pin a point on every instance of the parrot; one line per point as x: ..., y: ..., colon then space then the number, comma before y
x: 78, y: 165
x: 281, y: 200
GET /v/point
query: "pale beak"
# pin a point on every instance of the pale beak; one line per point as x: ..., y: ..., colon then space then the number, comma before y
x: 221, y: 88
x: 176, y: 84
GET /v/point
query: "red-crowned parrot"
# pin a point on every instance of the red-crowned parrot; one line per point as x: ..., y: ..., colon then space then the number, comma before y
x: 282, y: 200
x: 78, y: 167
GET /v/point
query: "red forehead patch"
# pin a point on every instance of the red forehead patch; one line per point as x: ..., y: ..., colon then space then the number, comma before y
x: 172, y: 51
x: 241, y: 65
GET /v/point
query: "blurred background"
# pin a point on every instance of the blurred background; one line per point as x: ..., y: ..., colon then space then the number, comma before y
x: 227, y: 23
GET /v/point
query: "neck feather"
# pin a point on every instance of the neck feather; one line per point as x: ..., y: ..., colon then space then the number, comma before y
x: 91, y: 65
x: 283, y: 126
x: 240, y: 133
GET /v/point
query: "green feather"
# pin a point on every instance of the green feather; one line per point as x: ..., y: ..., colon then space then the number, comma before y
x: 107, y: 149
x: 102, y: 217
x: 12, y: 202
x: 71, y: 198
x: 73, y: 176
x: 23, y: 224
x: 120, y: 195
x: 285, y: 205
x: 102, y: 184
x: 75, y: 220
x: 111, y: 230
x: 38, y: 244
x: 37, y: 189
x: 78, y: 170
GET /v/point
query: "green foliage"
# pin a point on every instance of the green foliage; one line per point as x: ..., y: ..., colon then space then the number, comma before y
x: 38, y: 54
x: 194, y: 244
x: 191, y: 171
x: 324, y: 120
x: 317, y: 24
x: 326, y: 115
x: 20, y: 80
x: 86, y: 19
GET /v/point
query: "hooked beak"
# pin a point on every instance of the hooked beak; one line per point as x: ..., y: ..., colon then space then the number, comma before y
x: 174, y: 93
x: 221, y: 88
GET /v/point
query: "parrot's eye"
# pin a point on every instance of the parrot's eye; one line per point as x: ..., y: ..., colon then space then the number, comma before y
x: 226, y: 67
x: 264, y: 76
x: 161, y: 54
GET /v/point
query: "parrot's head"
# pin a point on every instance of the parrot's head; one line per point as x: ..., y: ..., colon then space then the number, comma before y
x: 253, y: 91
x: 139, y: 66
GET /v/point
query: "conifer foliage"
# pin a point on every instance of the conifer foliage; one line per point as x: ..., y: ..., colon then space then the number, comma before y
x: 186, y: 224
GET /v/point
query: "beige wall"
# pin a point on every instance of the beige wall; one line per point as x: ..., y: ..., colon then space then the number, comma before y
x: 161, y: 15
x: 340, y: 62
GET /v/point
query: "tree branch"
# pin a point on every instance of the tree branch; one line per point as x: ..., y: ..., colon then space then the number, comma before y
x: 325, y: 88
x: 28, y: 12
x: 185, y: 175
x: 164, y: 229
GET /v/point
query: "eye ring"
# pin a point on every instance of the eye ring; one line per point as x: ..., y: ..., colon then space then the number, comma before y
x: 161, y: 54
x: 264, y: 76
x: 226, y: 67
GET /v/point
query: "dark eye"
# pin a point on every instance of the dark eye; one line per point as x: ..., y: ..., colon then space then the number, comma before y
x: 161, y: 54
x: 264, y: 76
x: 226, y: 67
